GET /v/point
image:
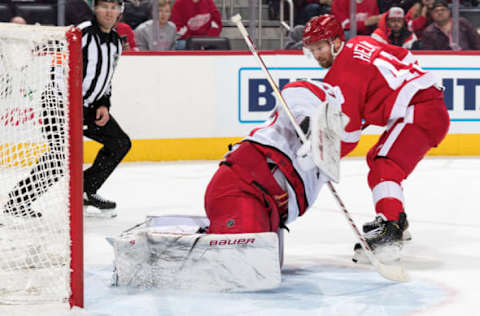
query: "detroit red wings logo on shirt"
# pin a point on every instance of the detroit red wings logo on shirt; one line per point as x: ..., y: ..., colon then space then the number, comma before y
x: 198, y: 21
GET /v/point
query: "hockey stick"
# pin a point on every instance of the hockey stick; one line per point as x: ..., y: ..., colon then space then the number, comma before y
x: 237, y: 19
x: 390, y: 272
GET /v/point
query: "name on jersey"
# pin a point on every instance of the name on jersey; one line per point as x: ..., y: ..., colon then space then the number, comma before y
x: 364, y: 51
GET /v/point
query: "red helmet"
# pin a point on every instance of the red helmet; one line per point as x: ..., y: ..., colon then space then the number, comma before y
x: 323, y: 27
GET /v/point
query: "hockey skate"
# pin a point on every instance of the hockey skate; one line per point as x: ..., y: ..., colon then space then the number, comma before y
x: 20, y: 210
x: 369, y: 226
x: 101, y: 206
x: 384, y: 237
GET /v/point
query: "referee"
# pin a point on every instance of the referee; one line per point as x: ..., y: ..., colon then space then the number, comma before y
x: 102, y: 48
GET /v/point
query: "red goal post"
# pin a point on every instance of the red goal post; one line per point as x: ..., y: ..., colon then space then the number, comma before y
x: 74, y: 37
x: 41, y: 156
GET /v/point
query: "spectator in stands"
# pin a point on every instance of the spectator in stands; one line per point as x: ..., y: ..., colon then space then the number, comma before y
x: 127, y: 36
x: 469, y: 3
x: 294, y: 40
x: 195, y: 18
x: 137, y: 12
x: 18, y: 20
x: 145, y: 35
x: 304, y: 10
x: 438, y: 35
x: 367, y: 15
x: 418, y: 17
x: 385, y: 5
x: 12, y: 15
x: 395, y: 31
x: 307, y: 9
x: 77, y: 11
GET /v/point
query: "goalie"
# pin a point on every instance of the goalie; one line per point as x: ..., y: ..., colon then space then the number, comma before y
x: 265, y: 182
x: 271, y: 178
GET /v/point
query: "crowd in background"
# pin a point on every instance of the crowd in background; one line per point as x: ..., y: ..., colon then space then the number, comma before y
x: 413, y: 24
x: 178, y: 20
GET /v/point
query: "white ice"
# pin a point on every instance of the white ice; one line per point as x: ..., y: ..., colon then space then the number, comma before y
x: 319, y: 278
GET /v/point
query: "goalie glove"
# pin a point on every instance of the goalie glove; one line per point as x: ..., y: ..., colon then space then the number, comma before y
x: 328, y: 125
x: 324, y: 131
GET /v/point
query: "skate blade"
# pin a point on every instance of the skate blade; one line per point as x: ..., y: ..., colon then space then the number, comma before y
x: 97, y: 213
x: 390, y: 254
x: 406, y: 236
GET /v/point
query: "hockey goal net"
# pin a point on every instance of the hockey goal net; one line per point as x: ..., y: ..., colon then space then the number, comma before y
x: 40, y: 165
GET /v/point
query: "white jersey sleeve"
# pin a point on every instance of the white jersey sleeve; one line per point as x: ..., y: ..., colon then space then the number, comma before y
x: 279, y: 133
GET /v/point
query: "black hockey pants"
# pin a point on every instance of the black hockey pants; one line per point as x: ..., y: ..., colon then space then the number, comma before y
x: 116, y: 145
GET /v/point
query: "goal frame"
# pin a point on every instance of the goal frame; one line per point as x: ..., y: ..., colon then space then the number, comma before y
x: 74, y: 38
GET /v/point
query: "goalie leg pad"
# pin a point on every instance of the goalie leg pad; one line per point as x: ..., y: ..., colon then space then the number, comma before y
x: 212, y: 262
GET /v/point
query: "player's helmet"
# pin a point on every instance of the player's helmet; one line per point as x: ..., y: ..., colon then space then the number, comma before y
x: 323, y: 27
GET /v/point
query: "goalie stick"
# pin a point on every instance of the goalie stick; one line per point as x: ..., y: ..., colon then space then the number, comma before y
x: 390, y: 272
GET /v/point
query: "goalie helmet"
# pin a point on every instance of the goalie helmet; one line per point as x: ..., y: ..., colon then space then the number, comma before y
x: 323, y: 27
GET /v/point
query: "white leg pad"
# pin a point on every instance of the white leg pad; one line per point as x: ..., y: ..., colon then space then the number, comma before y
x: 150, y: 258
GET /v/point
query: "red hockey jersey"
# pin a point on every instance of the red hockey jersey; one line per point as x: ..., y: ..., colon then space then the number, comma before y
x: 365, y: 9
x: 200, y: 18
x: 378, y: 82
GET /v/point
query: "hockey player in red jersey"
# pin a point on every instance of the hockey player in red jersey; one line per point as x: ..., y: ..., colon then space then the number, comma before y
x: 269, y: 179
x: 382, y: 85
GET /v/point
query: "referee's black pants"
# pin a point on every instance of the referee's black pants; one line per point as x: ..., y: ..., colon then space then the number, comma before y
x: 116, y: 145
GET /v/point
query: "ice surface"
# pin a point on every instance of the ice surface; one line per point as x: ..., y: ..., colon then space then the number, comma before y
x: 443, y: 258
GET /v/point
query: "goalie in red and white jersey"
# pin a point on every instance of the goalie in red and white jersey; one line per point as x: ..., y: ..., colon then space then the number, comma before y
x: 270, y: 178
x: 382, y: 85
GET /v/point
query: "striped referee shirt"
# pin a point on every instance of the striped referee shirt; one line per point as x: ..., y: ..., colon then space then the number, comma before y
x: 101, y: 52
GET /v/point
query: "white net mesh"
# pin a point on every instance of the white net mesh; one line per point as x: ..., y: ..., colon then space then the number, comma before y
x: 34, y: 177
